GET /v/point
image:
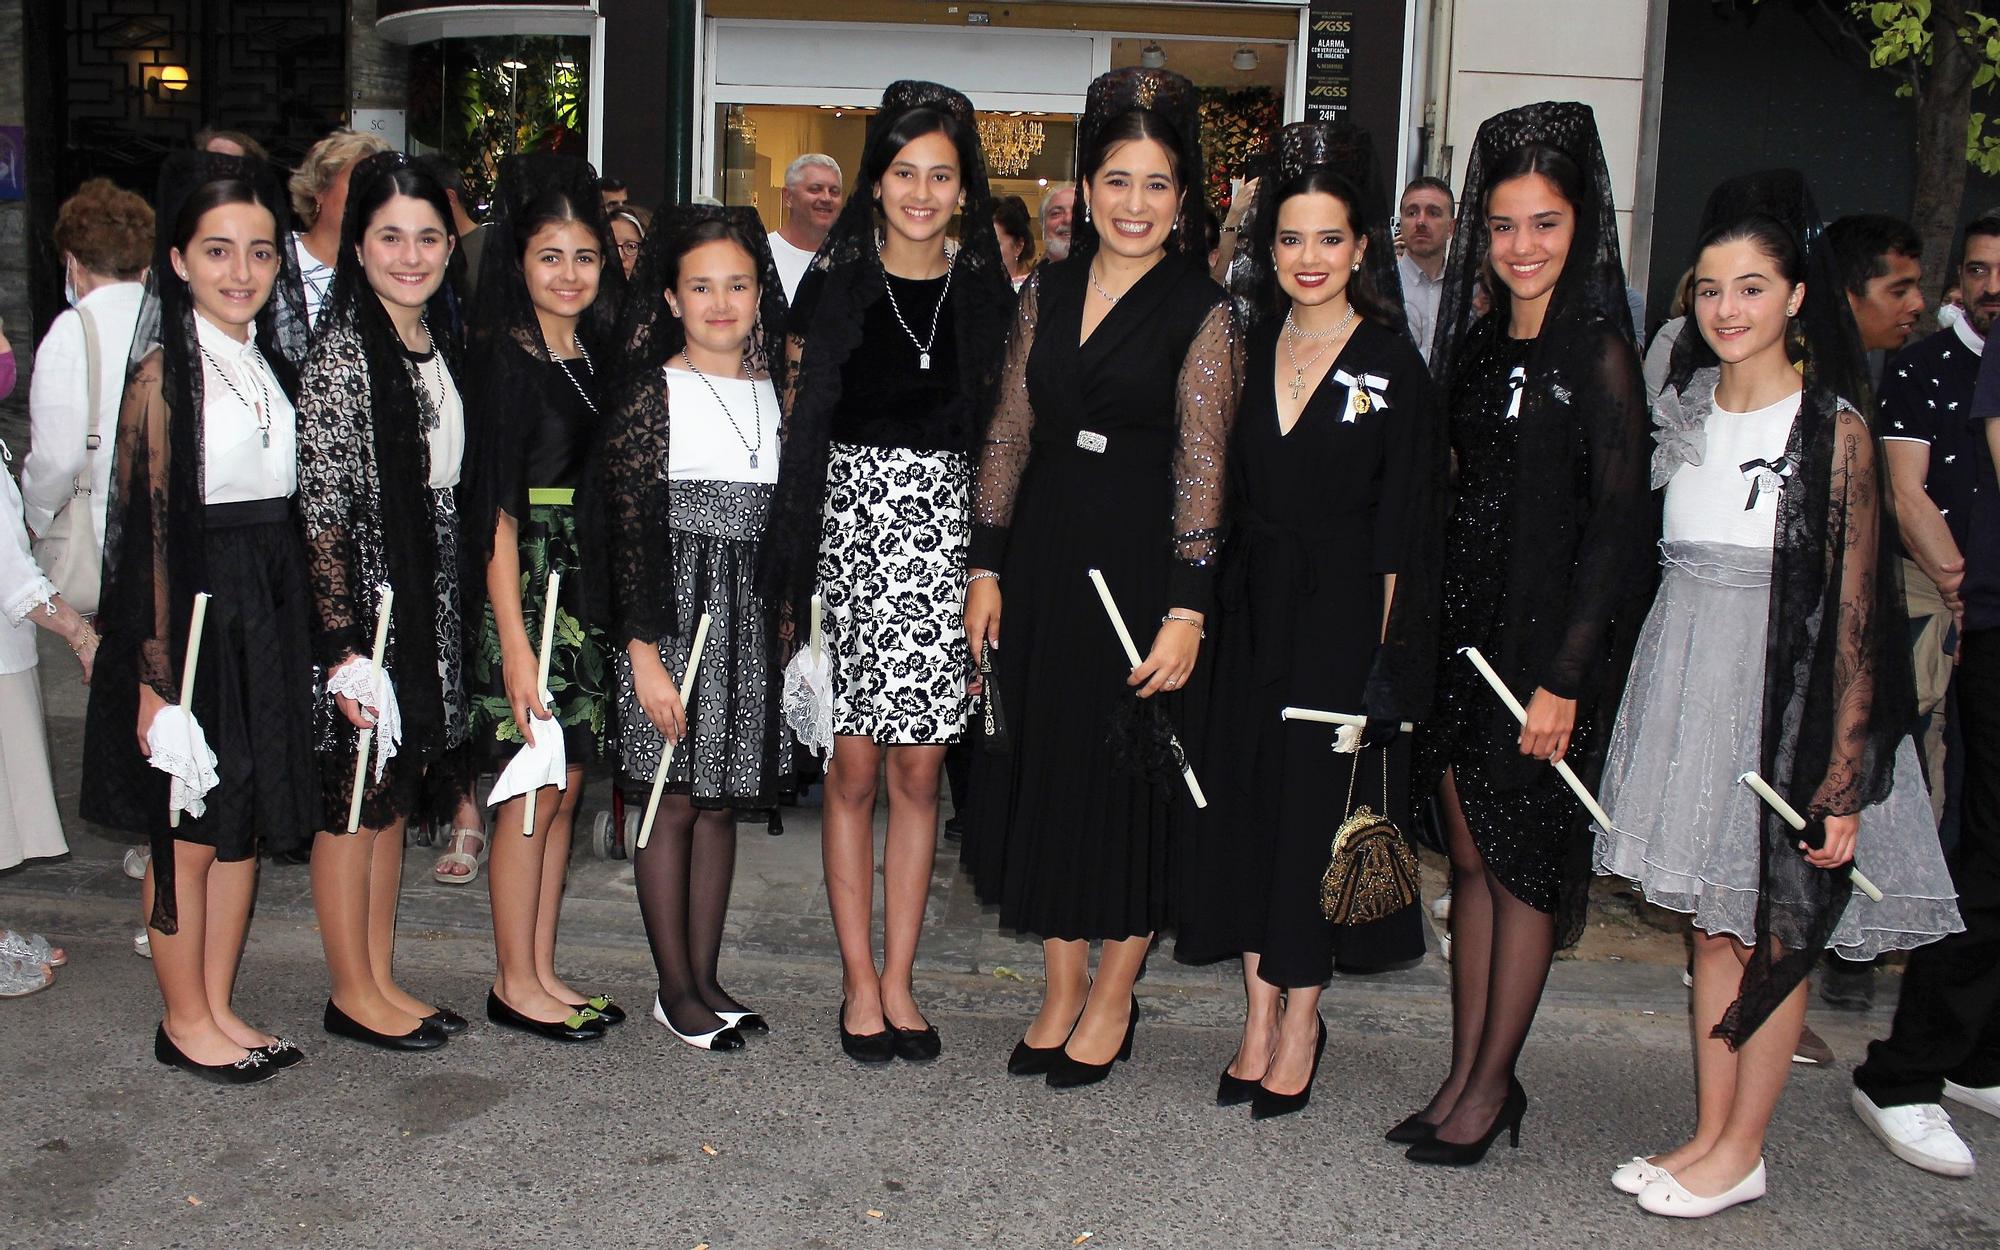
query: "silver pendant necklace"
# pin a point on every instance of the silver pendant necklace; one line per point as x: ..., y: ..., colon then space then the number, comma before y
x: 583, y: 354
x: 756, y: 408
x: 924, y: 346
x: 262, y: 408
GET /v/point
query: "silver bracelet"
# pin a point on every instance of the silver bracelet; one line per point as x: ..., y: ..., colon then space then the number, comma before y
x: 981, y: 575
x: 1185, y: 620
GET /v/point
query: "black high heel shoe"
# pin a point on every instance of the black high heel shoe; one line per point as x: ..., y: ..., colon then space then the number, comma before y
x: 1029, y: 1060
x: 1413, y: 1129
x: 869, y: 1048
x: 1266, y: 1103
x: 1465, y: 1154
x: 1069, y: 1072
x: 1233, y: 1091
x: 580, y: 1026
x: 250, y: 1069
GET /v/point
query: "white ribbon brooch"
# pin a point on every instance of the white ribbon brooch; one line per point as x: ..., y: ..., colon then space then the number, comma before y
x: 1516, y: 379
x: 1766, y: 476
x: 1365, y: 393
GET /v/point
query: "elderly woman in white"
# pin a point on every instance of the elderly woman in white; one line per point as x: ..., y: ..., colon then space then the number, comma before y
x: 29, y: 825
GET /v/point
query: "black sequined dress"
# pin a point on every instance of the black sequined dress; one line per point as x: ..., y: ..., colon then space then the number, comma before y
x: 1523, y: 832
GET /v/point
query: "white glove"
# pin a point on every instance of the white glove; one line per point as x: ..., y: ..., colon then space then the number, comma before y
x: 362, y: 682
x: 180, y: 750
x: 546, y: 763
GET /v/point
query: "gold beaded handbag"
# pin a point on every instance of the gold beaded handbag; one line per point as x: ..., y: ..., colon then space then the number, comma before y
x: 1373, y: 870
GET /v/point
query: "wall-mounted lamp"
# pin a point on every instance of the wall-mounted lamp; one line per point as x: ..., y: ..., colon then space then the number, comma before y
x: 167, y: 82
x: 1153, y: 56
x: 1245, y: 59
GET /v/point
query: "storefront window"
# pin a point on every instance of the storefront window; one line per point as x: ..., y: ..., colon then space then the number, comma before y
x: 1028, y: 152
x: 478, y: 100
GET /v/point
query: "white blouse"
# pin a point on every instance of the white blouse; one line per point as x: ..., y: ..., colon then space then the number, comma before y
x: 1706, y: 501
x: 249, y: 433
x: 704, y: 445
x: 447, y: 441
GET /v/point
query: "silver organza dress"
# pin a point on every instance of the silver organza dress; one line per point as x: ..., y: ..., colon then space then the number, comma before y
x: 1692, y: 720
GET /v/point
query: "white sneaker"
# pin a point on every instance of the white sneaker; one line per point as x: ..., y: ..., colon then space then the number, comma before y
x: 1986, y: 1099
x: 142, y: 944
x: 135, y: 862
x: 1920, y: 1134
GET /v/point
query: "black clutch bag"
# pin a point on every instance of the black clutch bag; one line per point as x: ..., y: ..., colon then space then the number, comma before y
x: 989, y: 722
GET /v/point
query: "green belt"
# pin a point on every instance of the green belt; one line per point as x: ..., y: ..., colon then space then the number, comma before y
x: 561, y: 496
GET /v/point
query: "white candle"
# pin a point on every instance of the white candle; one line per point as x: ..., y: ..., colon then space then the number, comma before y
x: 1132, y: 654
x: 541, y: 684
x: 667, y: 748
x: 190, y: 663
x: 367, y: 739
x: 1791, y: 817
x: 1562, y: 767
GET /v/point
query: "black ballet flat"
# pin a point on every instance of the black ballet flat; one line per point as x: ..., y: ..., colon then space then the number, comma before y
x: 1465, y: 1154
x: 581, y: 1026
x: 250, y: 1069
x: 609, y: 1012
x: 744, y: 1021
x: 1070, y: 1072
x: 428, y: 1035
x: 1412, y: 1129
x: 1267, y: 1103
x: 1234, y: 1091
x: 281, y: 1053
x: 869, y: 1048
x: 915, y: 1045
x: 450, y: 1021
x: 1029, y: 1060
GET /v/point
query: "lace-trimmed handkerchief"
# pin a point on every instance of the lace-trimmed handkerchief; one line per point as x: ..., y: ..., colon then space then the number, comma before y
x: 180, y: 749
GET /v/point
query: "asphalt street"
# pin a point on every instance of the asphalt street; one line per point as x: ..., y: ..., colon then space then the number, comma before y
x: 503, y: 1140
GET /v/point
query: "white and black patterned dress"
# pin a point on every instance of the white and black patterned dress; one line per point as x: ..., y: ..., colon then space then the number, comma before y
x: 690, y: 510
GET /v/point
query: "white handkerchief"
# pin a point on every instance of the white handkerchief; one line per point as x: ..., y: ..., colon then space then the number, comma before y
x: 808, y: 700
x: 362, y: 682
x: 180, y: 750
x: 544, y: 764
x: 1347, y: 739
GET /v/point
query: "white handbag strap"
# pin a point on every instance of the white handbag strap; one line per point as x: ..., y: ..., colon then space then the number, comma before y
x: 87, y: 481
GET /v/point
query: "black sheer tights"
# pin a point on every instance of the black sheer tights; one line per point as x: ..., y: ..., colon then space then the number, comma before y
x: 684, y: 873
x: 1500, y: 954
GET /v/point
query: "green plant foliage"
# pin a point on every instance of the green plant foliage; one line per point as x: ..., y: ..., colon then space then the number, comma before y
x: 1903, y: 42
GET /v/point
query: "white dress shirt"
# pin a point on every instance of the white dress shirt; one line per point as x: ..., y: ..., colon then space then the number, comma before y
x: 318, y: 279
x: 1421, y: 294
x: 249, y: 433
x: 59, y: 404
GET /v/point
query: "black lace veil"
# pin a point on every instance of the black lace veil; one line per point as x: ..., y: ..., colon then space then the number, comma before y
x: 1838, y: 690
x: 509, y: 366
x: 1348, y: 152
x: 846, y: 279
x: 398, y: 422
x: 155, y: 514
x: 632, y: 467
x: 1174, y: 100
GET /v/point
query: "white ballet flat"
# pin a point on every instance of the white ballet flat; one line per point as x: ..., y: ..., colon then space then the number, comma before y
x: 1632, y: 1178
x: 1667, y: 1196
x: 724, y: 1038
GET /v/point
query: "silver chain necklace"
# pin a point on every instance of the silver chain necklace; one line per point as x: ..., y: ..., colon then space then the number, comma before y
x: 923, y: 347
x: 262, y: 408
x: 756, y: 408
x: 1102, y: 294
x: 1293, y: 333
x: 583, y: 353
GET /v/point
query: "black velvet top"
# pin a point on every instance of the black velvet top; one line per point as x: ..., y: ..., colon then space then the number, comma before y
x: 886, y: 398
x: 559, y: 433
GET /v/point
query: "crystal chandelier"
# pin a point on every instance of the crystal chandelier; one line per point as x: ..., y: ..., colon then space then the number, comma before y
x: 1009, y: 142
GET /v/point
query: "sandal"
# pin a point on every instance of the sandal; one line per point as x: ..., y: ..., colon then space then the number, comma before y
x: 31, y: 948
x: 455, y: 853
x: 19, y: 977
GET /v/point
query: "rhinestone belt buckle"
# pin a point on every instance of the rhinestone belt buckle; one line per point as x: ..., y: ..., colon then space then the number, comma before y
x: 1091, y: 440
